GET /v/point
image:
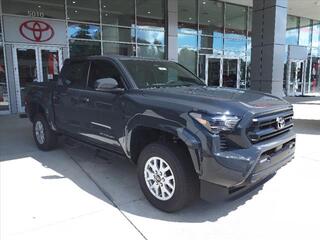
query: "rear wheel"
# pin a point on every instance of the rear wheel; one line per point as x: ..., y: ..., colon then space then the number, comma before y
x: 167, y: 177
x: 45, y: 138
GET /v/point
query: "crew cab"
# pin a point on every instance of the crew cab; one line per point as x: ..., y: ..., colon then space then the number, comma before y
x: 187, y: 139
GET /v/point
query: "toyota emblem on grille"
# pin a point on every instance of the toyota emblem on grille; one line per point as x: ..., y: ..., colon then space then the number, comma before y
x: 36, y: 31
x: 280, y: 123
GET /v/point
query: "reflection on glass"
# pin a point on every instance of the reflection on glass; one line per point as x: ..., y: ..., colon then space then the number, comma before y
x: 316, y: 34
x: 27, y: 68
x: 187, y: 52
x: 206, y: 42
x: 118, y: 34
x: 84, y: 48
x: 248, y: 73
x: 0, y: 31
x: 150, y: 13
x: 188, y: 58
x: 84, y: 31
x: 315, y: 75
x: 150, y: 37
x: 119, y: 49
x: 250, y: 22
x: 83, y: 10
x: 202, y: 67
x: 242, y: 82
x: 185, y: 40
x: 118, y: 12
x: 35, y: 8
x: 4, y: 96
x: 187, y: 16
x: 305, y: 32
x: 214, y: 65
x: 296, y: 77
x: 211, y: 18
x: 230, y: 72
x: 292, y: 34
x: 236, y: 21
x: 50, y: 65
x: 151, y: 51
x: 235, y: 45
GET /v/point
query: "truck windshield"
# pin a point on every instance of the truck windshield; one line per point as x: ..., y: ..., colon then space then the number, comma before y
x: 150, y: 74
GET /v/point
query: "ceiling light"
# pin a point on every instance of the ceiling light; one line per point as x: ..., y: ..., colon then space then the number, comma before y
x: 106, y: 14
x: 74, y: 2
x: 209, y: 21
x: 39, y: 6
x: 149, y: 12
x: 104, y: 6
x: 204, y: 2
x: 75, y: 11
x: 190, y: 18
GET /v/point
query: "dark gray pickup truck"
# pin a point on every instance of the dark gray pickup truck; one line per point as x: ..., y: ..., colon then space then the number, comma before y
x: 186, y: 138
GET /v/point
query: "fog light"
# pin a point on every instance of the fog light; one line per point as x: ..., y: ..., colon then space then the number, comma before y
x: 291, y: 145
x: 265, y: 159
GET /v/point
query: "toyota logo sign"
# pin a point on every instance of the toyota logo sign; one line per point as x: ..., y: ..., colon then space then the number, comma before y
x: 36, y: 31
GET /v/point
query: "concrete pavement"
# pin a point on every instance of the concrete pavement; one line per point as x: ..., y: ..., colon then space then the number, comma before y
x: 75, y: 193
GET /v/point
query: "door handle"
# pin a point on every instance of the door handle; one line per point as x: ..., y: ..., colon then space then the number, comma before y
x: 85, y: 100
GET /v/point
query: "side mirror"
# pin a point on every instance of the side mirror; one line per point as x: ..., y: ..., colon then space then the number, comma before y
x: 106, y: 84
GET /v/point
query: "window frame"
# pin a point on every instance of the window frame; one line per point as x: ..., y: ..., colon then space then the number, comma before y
x: 122, y: 75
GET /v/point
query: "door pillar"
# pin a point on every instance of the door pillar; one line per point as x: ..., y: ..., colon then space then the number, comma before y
x: 268, y: 53
x: 172, y: 37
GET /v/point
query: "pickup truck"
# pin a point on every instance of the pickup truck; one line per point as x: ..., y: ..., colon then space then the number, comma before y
x: 187, y: 139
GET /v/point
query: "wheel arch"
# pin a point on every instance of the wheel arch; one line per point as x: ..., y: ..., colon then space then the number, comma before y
x: 145, y: 130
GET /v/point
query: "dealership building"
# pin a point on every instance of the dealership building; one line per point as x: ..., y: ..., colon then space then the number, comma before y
x: 267, y: 45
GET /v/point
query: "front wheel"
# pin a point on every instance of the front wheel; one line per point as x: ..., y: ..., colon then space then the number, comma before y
x: 44, y: 136
x: 167, y: 177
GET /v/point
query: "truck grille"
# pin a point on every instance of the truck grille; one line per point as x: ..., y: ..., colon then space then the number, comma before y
x: 270, y: 125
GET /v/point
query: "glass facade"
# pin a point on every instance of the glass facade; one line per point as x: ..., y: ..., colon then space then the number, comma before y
x: 305, y: 32
x: 209, y: 30
x: 127, y: 27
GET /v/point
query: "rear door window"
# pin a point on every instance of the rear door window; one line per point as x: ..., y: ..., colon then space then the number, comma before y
x: 75, y: 74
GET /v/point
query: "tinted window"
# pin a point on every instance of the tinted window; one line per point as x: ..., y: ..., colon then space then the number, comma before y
x: 148, y: 74
x: 75, y: 74
x: 103, y: 69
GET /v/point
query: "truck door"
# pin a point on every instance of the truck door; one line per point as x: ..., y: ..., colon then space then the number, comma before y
x: 101, y: 112
x: 66, y: 96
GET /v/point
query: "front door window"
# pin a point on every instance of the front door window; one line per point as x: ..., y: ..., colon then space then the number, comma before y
x: 34, y: 64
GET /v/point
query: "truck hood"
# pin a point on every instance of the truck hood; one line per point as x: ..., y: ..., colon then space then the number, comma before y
x: 217, y: 100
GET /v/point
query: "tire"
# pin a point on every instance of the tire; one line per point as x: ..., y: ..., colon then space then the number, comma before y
x: 175, y: 193
x: 45, y: 138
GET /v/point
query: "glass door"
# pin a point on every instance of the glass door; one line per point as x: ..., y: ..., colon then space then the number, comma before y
x: 297, y: 71
x: 230, y: 74
x: 223, y: 72
x: 50, y: 63
x: 26, y: 71
x: 213, y: 76
x: 34, y: 64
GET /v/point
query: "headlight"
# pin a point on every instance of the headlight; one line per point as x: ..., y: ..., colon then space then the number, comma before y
x: 216, y: 123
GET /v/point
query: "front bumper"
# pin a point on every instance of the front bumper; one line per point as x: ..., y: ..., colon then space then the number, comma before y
x: 242, y: 168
